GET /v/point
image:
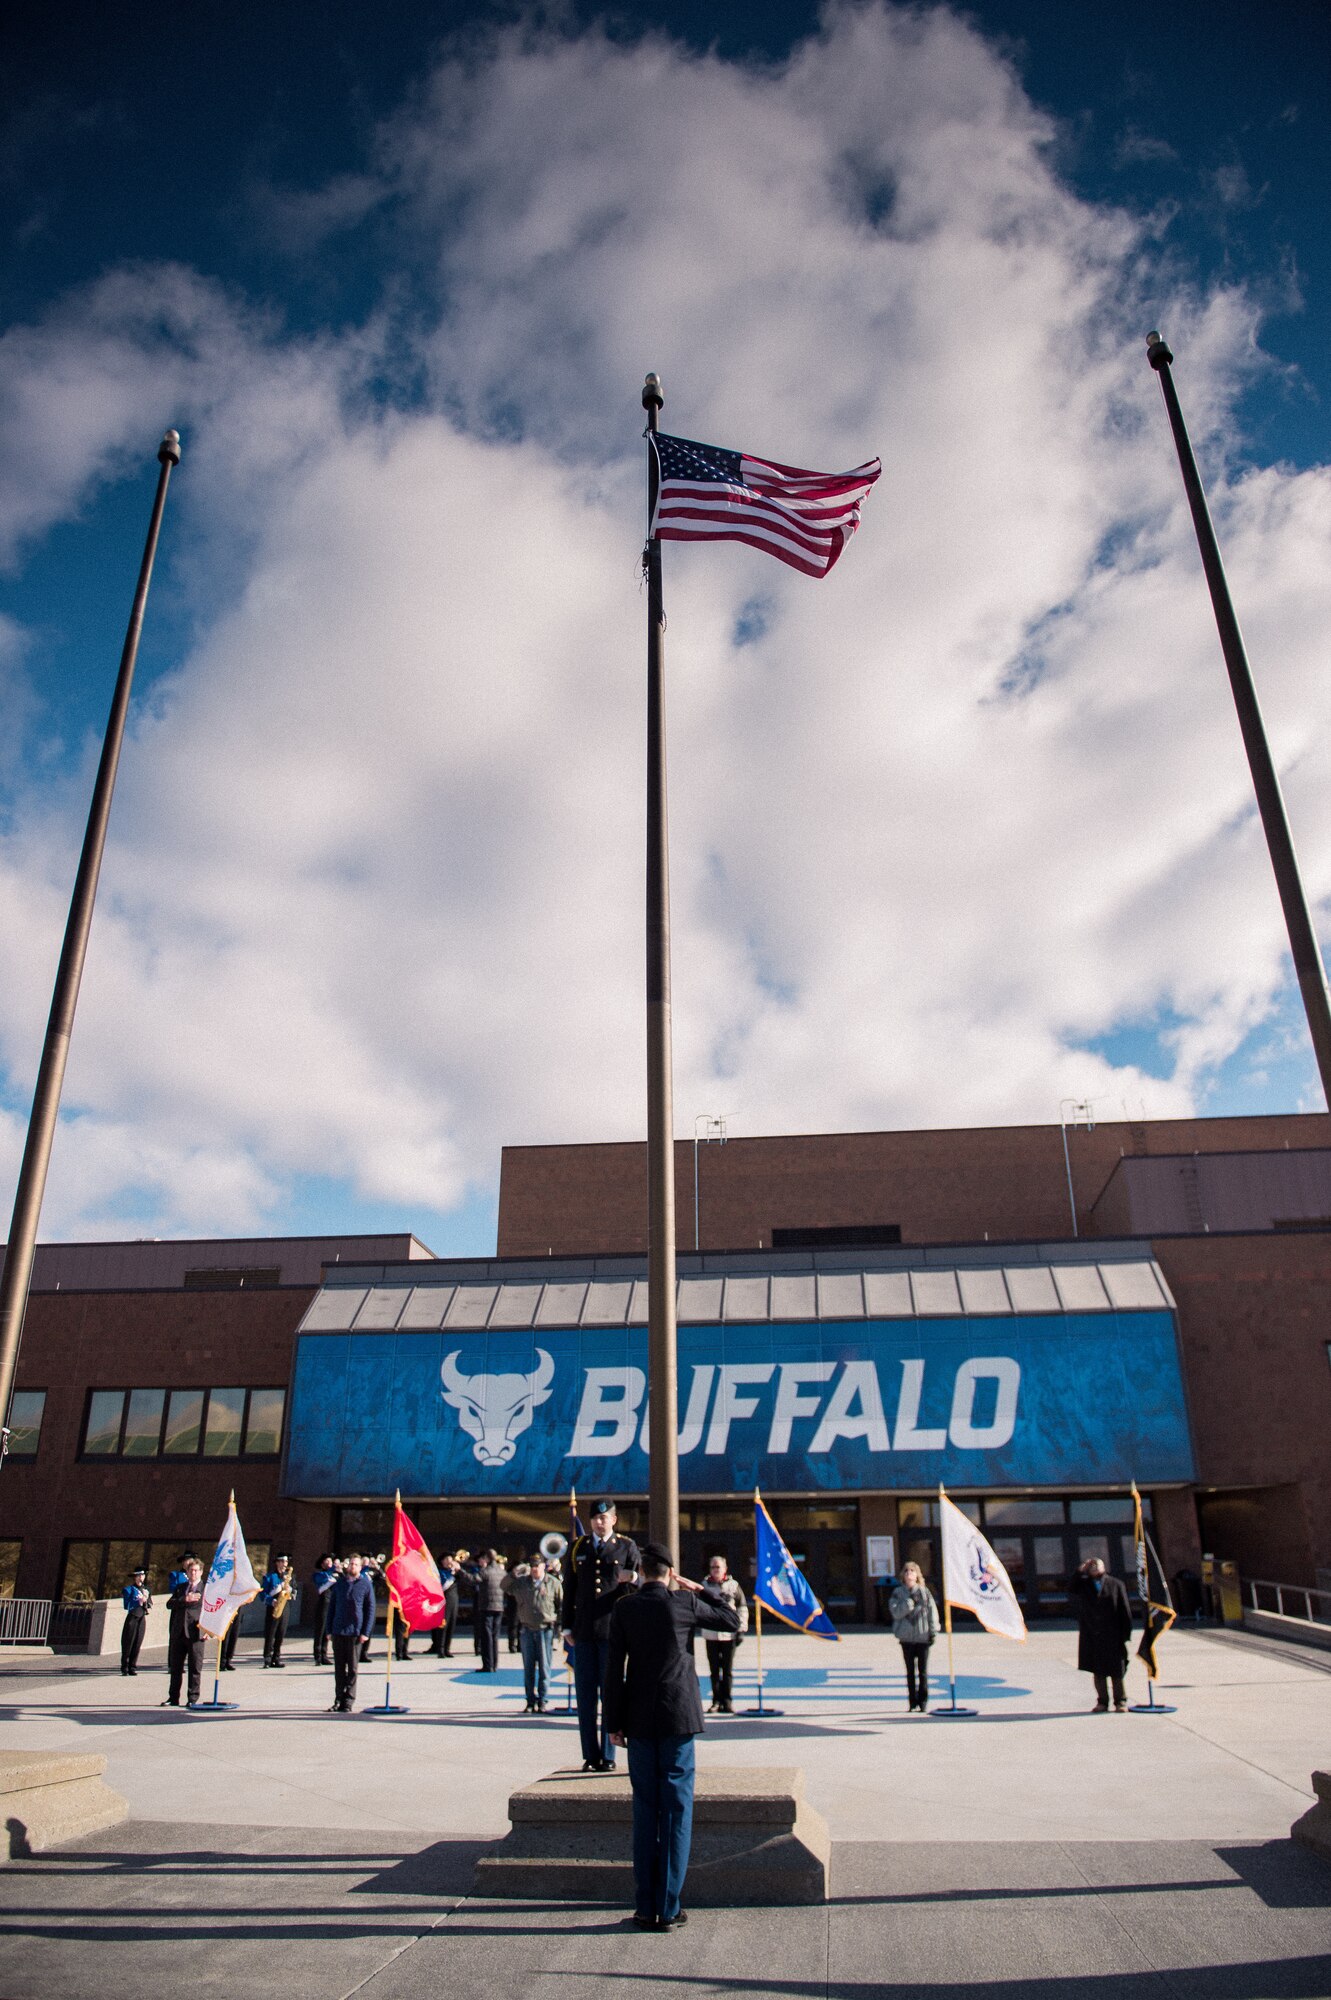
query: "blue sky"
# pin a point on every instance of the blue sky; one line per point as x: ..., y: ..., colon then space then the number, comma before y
x: 963, y: 835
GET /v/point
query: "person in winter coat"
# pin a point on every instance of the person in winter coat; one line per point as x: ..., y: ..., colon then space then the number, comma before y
x: 538, y: 1598
x: 914, y: 1618
x: 721, y: 1645
x: 1104, y: 1619
x: 488, y: 1608
x: 350, y: 1622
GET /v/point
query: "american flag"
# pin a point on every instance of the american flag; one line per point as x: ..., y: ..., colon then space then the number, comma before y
x: 708, y: 494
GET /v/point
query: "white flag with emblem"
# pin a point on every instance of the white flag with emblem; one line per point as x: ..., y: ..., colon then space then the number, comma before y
x: 974, y: 1578
x: 230, y: 1583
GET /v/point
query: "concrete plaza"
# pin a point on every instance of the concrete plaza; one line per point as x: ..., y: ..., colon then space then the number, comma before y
x: 1033, y: 1849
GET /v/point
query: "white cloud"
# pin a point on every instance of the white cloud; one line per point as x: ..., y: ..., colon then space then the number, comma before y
x: 373, y: 901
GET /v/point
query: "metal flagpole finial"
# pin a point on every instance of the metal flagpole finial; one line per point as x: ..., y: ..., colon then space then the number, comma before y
x: 652, y: 398
x: 1157, y: 353
x: 169, y: 449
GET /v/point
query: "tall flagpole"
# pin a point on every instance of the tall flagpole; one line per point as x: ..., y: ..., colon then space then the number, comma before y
x: 663, y: 1472
x: 1303, y: 944
x: 17, y: 1279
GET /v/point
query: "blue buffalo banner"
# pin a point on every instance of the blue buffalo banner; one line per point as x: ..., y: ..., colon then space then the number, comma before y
x: 1042, y: 1400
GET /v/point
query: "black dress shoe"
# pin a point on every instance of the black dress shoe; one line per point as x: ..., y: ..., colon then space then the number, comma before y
x: 645, y: 1923
x: 673, y: 1923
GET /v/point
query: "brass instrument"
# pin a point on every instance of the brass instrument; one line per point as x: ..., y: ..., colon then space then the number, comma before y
x: 277, y: 1605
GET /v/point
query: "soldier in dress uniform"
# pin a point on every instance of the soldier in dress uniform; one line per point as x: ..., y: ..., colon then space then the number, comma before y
x: 601, y: 1567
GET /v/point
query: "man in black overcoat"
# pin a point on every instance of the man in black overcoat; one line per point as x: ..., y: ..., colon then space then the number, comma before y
x: 652, y: 1703
x: 1104, y: 1617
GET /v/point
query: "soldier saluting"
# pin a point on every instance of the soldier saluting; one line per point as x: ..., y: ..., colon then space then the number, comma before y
x: 601, y: 1566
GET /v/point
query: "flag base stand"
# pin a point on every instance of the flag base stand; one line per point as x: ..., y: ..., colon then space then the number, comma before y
x: 946, y: 1714
x: 762, y: 1711
x: 208, y: 1707
x: 1151, y: 1708
x: 385, y: 1708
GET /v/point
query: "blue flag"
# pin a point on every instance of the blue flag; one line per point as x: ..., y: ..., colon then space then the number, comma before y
x: 781, y: 1586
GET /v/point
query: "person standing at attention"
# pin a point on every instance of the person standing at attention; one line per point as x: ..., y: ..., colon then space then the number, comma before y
x: 138, y: 1602
x: 915, y: 1626
x: 321, y: 1583
x: 722, y: 1646
x: 653, y: 1705
x: 601, y: 1566
x: 184, y: 1652
x: 350, y: 1621
x: 1104, y: 1622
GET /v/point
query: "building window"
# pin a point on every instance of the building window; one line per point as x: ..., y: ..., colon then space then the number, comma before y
x: 9, y: 1555
x: 226, y: 1423
x: 25, y: 1423
x: 143, y: 1423
x: 102, y: 1569
x: 184, y: 1423
x: 263, y: 1422
x: 101, y: 1433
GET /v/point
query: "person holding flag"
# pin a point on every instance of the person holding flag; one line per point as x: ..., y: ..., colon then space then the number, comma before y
x: 976, y: 1580
x: 230, y: 1585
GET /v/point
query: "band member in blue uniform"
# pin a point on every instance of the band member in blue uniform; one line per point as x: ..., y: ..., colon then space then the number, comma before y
x: 138, y: 1602
x: 278, y: 1587
x: 601, y: 1567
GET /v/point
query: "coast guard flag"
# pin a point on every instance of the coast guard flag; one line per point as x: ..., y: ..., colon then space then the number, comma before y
x: 708, y: 494
x: 1157, y: 1604
x: 781, y: 1586
x: 973, y: 1577
x: 412, y: 1576
x: 231, y: 1582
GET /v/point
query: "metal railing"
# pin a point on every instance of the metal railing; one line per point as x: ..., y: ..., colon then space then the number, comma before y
x: 24, y: 1621
x: 1288, y: 1600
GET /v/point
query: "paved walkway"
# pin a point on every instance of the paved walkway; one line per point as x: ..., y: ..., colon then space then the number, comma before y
x: 1034, y: 1849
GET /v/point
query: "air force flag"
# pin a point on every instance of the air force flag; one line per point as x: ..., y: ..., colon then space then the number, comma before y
x: 973, y: 1577
x: 781, y: 1586
x: 231, y: 1582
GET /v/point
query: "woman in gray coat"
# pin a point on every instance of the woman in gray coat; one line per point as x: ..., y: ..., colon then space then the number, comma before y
x: 915, y: 1626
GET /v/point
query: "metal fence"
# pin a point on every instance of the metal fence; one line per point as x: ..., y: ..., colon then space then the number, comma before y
x: 1288, y: 1600
x: 24, y: 1621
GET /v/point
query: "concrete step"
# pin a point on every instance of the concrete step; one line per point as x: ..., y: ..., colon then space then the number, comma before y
x: 47, y: 1798
x: 756, y: 1841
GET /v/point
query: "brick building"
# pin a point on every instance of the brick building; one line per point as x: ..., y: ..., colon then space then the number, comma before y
x: 860, y: 1315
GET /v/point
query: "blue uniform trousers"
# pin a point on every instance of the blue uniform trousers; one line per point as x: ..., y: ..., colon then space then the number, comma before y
x: 661, y: 1772
x: 590, y: 1657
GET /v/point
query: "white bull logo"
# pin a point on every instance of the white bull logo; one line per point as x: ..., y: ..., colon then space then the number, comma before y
x: 496, y: 1409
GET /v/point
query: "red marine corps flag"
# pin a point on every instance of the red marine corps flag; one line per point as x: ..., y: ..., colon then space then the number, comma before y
x: 412, y: 1575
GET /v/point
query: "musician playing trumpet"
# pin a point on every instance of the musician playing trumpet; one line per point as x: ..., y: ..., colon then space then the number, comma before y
x: 278, y: 1588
